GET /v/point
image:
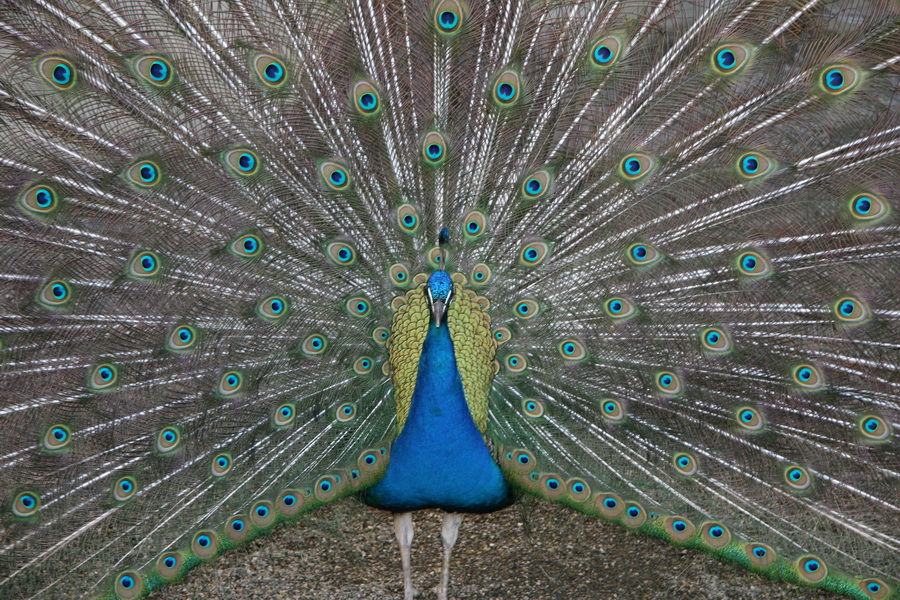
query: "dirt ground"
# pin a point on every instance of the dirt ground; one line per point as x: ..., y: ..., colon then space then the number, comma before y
x: 536, y: 551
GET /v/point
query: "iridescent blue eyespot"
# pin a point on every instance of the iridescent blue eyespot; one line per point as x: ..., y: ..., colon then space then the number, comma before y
x: 755, y: 164
x: 612, y: 409
x: 572, y: 350
x: 642, y: 255
x: 269, y: 69
x: 602, y: 54
x: 128, y: 585
x: 103, y: 377
x: 750, y: 164
x: 533, y: 408
x: 851, y: 311
x: 753, y: 265
x: 272, y: 308
x: 685, y: 464
x: 873, y: 427
x: 868, y: 208
x: 124, y: 489
x: 57, y: 437
x: 153, y: 69
x: 25, y: 504
x: 39, y: 200
x: 797, y: 477
x: 335, y: 175
x: 605, y: 51
x: 448, y: 17
x: 58, y: 71
x: 506, y: 88
x: 636, y: 166
x: 143, y: 174
x: 167, y: 440
x: 345, y: 412
x: 366, y: 98
x: 808, y: 377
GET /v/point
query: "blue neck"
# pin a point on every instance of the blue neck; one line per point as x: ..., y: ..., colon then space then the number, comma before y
x: 440, y: 459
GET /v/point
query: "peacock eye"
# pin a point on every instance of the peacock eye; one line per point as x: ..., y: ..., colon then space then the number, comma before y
x: 242, y: 162
x: 434, y: 148
x: 366, y: 97
x: 839, y: 79
x: 605, y: 51
x: 154, y: 69
x: 448, y: 17
x: 728, y: 59
x: 537, y: 185
x: 408, y: 218
x: 335, y: 175
x: 507, y: 88
x: 58, y: 71
x: 636, y: 166
x: 269, y: 69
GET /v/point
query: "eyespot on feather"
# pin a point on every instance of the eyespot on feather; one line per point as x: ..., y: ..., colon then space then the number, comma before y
x: 58, y: 71
x: 269, y: 69
x: 262, y: 513
x: 474, y: 225
x: 838, y: 79
x: 335, y: 175
x: 636, y: 166
x: 40, y: 200
x: 407, y: 218
x: 341, y: 253
x: 366, y: 98
x: 448, y: 17
x: 169, y: 565
x: 154, y: 69
x: 730, y: 58
x: 606, y: 51
x: 55, y: 294
x: 128, y: 585
x: 205, y: 544
x: 507, y: 88
x: 144, y: 174
x: 241, y: 161
x: 434, y: 148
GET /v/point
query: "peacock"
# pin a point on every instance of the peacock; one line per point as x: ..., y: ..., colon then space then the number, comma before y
x: 639, y: 258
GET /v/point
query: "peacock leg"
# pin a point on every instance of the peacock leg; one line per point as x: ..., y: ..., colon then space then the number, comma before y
x: 449, y: 534
x: 403, y: 529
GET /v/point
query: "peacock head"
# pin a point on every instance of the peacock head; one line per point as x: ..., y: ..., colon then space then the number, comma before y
x: 440, y: 292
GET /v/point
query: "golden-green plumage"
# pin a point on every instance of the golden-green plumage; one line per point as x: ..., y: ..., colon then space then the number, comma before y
x: 470, y: 330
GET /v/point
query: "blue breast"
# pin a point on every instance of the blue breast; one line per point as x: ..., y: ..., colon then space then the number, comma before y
x: 440, y: 460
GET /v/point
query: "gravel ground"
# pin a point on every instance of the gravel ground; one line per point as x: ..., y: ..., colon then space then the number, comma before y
x: 532, y: 551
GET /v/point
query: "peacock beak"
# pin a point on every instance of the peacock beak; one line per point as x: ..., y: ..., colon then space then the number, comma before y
x: 438, y: 309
